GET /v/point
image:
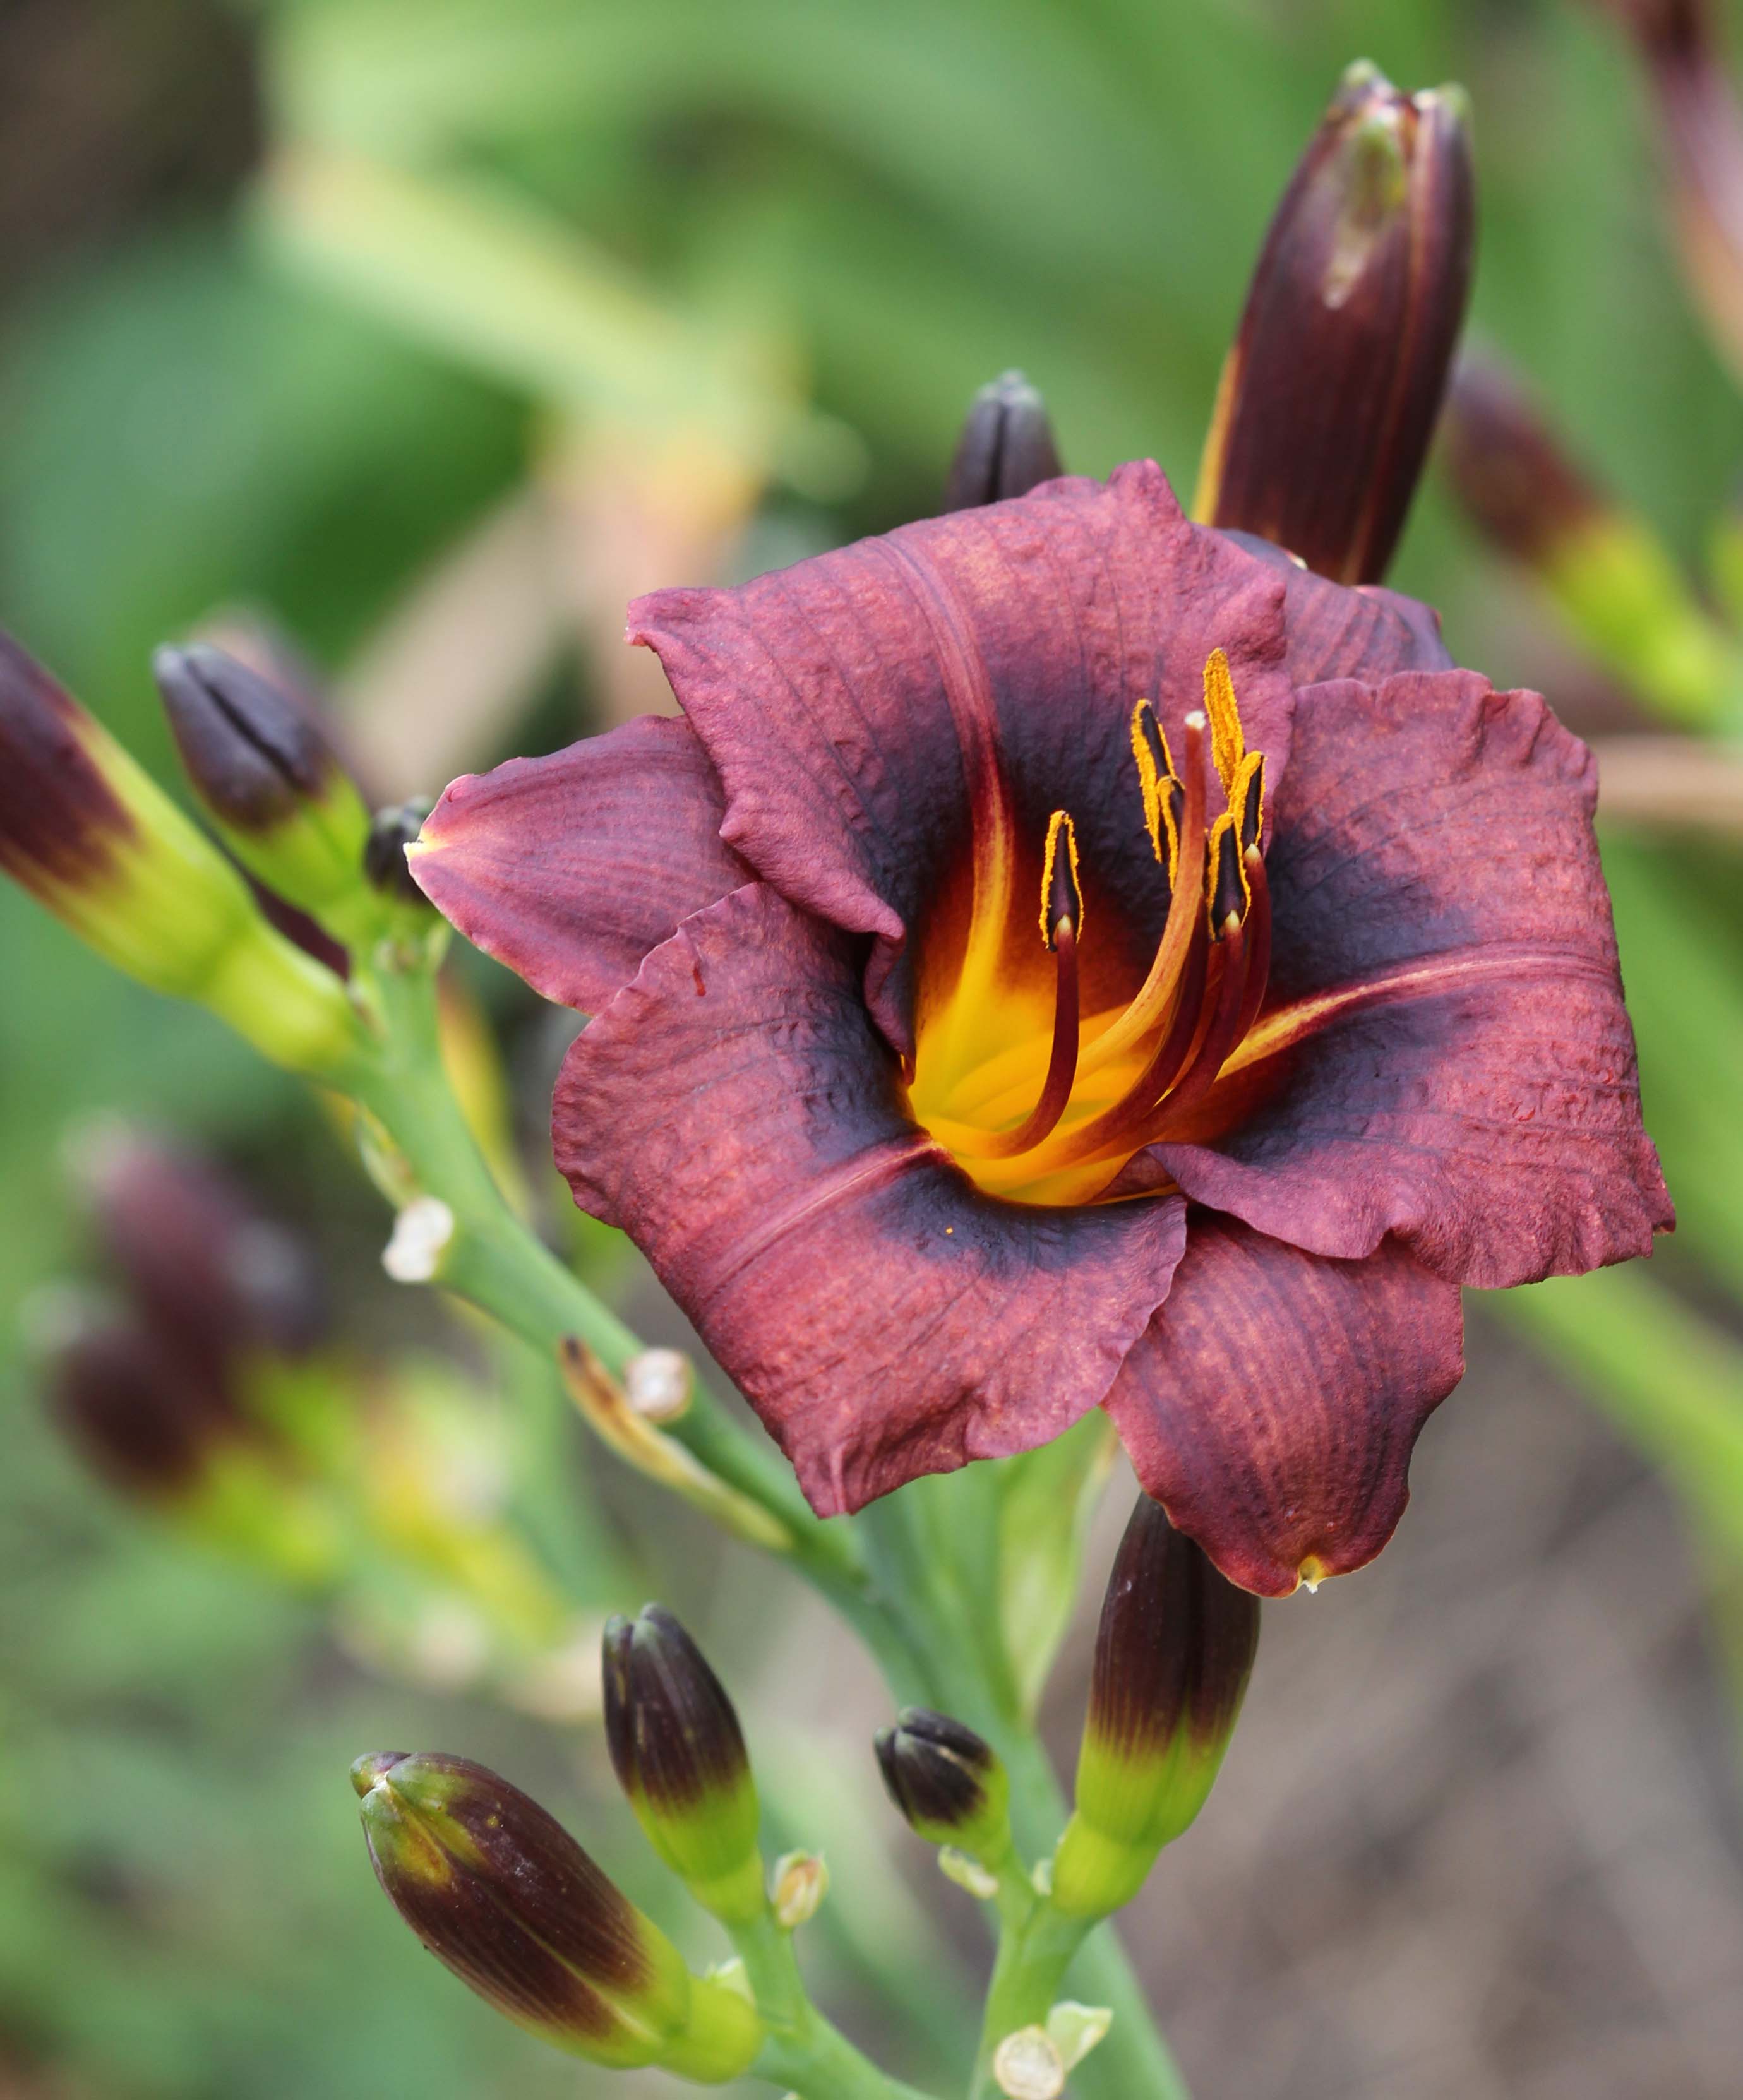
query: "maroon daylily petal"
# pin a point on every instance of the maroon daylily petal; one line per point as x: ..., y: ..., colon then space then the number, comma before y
x: 736, y: 1112
x: 861, y: 706
x: 1435, y: 879
x: 1338, y: 632
x: 1272, y: 1406
x: 570, y: 868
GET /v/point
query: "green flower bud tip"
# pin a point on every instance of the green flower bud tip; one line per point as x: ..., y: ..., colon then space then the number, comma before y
x: 94, y: 839
x: 502, y: 1895
x: 948, y: 1783
x: 268, y: 775
x: 1173, y: 1654
x: 1329, y: 397
x: 679, y: 1754
x: 1006, y: 447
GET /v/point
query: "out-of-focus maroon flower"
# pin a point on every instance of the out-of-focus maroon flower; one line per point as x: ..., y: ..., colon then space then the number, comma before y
x: 1701, y: 134
x: 1068, y: 957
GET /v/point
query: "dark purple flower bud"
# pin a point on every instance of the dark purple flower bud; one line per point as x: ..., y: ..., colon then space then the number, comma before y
x: 679, y: 1755
x: 1006, y: 447
x: 502, y: 1894
x: 1329, y: 397
x: 948, y: 1782
x: 142, y: 1419
x: 1173, y: 1654
x: 269, y: 778
x: 212, y: 1276
x: 94, y: 839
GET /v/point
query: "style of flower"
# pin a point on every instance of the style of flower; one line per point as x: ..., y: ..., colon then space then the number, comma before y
x: 1065, y: 956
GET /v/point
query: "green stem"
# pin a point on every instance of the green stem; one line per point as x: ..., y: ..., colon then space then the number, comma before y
x: 495, y: 1263
x: 1134, y: 2058
x: 1036, y: 1949
x: 803, y: 2051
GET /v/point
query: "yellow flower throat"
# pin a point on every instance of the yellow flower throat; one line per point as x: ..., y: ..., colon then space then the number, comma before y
x: 1039, y: 1103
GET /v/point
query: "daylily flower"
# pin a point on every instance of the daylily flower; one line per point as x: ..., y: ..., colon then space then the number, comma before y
x: 1065, y: 957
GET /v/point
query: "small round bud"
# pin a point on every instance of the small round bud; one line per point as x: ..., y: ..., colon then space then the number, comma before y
x: 391, y: 833
x: 948, y: 1782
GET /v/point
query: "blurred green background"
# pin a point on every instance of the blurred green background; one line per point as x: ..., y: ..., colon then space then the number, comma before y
x: 435, y: 328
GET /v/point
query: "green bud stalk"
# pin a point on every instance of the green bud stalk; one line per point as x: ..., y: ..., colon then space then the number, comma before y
x: 503, y: 1896
x: 92, y: 837
x: 948, y: 1783
x: 1173, y: 1654
x: 273, y: 784
x: 679, y: 1754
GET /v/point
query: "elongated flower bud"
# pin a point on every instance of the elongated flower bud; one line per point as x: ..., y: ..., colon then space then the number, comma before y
x: 1006, y: 447
x: 949, y: 1783
x: 500, y: 1892
x: 1329, y: 397
x: 1617, y: 586
x: 1173, y: 1654
x: 269, y: 777
x: 679, y: 1755
x: 92, y: 837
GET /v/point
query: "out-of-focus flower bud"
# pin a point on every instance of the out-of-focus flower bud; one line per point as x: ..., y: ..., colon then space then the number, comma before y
x: 1329, y: 397
x: 1173, y: 1654
x: 948, y: 1783
x: 679, y: 1755
x: 499, y: 1891
x: 1006, y: 447
x: 209, y: 1272
x: 157, y: 1428
x: 1616, y: 585
x: 271, y: 781
x: 92, y: 837
x: 1701, y: 134
x: 134, y: 1411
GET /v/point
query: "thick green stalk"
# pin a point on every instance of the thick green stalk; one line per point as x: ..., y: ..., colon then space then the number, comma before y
x: 1035, y: 1948
x: 803, y: 2051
